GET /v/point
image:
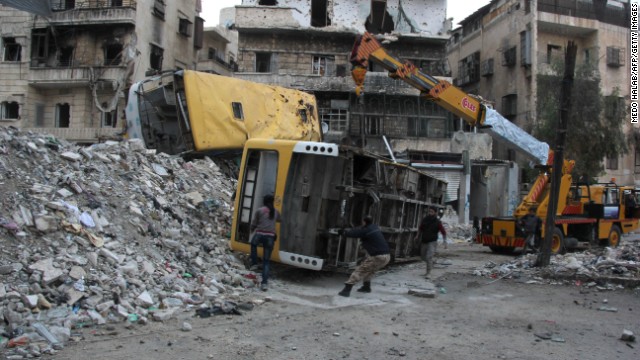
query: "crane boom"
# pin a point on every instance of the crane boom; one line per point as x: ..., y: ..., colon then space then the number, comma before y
x: 446, y: 95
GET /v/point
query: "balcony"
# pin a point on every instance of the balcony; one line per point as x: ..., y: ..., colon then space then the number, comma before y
x: 57, y: 77
x: 90, y: 12
x: 83, y: 135
x: 609, y: 14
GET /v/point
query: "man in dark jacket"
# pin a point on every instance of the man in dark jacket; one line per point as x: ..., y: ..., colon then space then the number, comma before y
x: 428, y: 236
x: 532, y: 226
x: 378, y: 256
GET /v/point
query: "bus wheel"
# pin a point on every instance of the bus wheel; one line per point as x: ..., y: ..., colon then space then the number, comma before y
x: 614, y: 236
x: 557, y: 242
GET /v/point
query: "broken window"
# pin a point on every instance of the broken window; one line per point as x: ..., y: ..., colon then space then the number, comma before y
x: 319, y: 65
x: 155, y: 58
x: 263, y: 62
x: 553, y: 52
x: 116, y: 3
x: 113, y: 54
x: 510, y: 106
x: 319, y: 13
x: 509, y: 57
x: 184, y: 27
x: 373, y: 125
x: 336, y: 119
x: 40, y: 46
x: 212, y: 54
x: 12, y: 51
x: 65, y: 56
x: 109, y: 118
x: 268, y: 2
x: 63, y: 115
x: 469, y: 69
x: 615, y: 56
x: 379, y: 21
x: 9, y: 110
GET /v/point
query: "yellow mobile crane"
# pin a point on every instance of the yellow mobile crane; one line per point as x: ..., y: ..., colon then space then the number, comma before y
x: 594, y: 214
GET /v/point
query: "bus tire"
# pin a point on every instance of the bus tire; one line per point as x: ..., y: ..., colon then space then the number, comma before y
x: 557, y: 242
x: 614, y: 236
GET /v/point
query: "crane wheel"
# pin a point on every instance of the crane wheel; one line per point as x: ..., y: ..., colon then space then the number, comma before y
x: 557, y: 242
x: 614, y: 236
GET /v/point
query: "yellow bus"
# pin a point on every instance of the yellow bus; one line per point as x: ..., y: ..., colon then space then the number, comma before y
x: 321, y: 187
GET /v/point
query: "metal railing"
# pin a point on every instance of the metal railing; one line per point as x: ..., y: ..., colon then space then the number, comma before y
x: 587, y: 10
x: 64, y: 5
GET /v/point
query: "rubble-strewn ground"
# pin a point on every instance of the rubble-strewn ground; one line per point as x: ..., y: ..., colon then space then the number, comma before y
x: 114, y: 252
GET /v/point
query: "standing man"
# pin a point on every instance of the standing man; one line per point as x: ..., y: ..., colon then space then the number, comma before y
x: 532, y: 226
x: 428, y: 235
x: 264, y: 225
x: 377, y: 255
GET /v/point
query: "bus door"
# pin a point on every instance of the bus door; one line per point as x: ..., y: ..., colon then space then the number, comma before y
x: 259, y: 179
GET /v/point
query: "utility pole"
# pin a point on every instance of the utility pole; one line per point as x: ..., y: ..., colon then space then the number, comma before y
x: 544, y: 257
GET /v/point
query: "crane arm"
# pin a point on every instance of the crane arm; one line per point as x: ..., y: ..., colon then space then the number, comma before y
x: 443, y: 93
x: 367, y: 48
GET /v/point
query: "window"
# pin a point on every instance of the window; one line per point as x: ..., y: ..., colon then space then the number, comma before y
x: 113, y: 54
x: 116, y: 3
x: 525, y: 48
x: 155, y: 59
x: 65, y: 56
x: 372, y: 125
x: 39, y: 118
x: 509, y: 57
x: 335, y: 118
x: 237, y: 110
x: 12, y: 51
x: 319, y: 65
x: 319, y: 13
x: 510, y: 106
x: 39, y: 46
x: 109, y: 118
x: 211, y: 54
x: 184, y: 27
x: 637, y: 159
x: 587, y: 56
x: 158, y: 9
x: 9, y: 110
x: 268, y: 2
x: 379, y: 20
x: 428, y: 126
x: 486, y: 68
x: 612, y: 163
x: 198, y: 36
x: 263, y: 62
x: 615, y: 56
x: 469, y: 69
x: 63, y: 115
x: 554, y: 52
x: 614, y: 107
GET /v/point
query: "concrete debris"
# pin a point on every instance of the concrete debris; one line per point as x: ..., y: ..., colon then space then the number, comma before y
x: 108, y: 233
x: 627, y: 335
x: 590, y: 268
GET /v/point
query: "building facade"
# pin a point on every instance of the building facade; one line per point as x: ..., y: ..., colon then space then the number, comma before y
x: 499, y: 52
x: 68, y: 74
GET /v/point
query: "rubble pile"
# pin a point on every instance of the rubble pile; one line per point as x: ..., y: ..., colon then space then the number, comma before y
x: 621, y: 265
x: 106, y: 233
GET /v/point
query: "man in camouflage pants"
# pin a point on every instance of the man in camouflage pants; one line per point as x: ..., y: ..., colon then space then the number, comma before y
x: 378, y: 255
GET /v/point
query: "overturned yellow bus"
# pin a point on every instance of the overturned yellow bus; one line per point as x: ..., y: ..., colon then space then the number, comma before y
x: 187, y: 111
x: 321, y: 187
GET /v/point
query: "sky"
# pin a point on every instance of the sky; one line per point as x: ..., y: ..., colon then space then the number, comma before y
x: 458, y: 9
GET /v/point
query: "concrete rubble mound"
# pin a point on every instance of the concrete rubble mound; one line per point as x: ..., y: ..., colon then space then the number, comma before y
x: 107, y: 233
x: 608, y: 267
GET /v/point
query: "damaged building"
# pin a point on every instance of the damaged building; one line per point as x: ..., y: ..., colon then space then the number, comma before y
x: 306, y: 44
x: 506, y: 50
x: 66, y: 67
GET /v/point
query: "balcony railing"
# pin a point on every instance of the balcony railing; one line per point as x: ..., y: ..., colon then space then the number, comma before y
x: 86, y: 135
x: 583, y: 9
x: 64, y: 5
x: 65, y: 76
